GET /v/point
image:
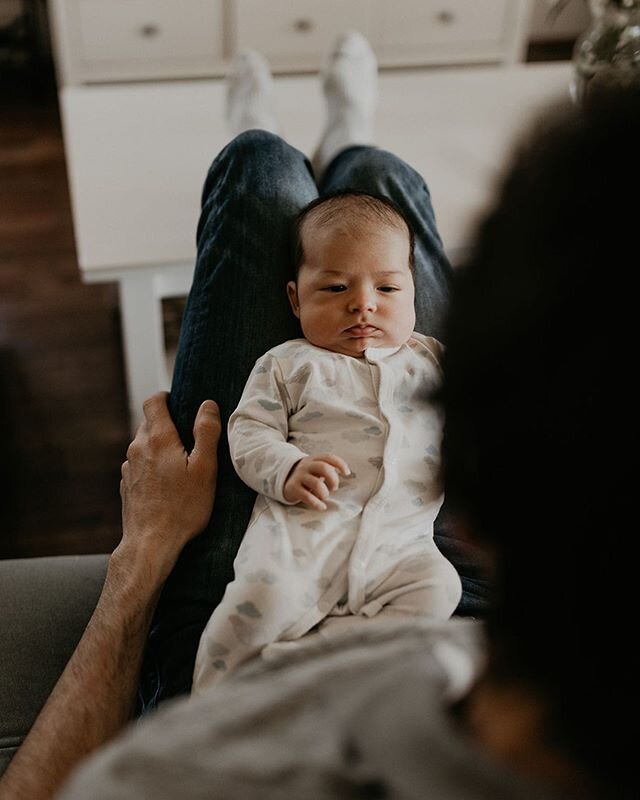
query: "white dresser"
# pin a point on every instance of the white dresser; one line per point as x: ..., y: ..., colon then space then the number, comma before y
x: 137, y: 154
x: 142, y: 120
x: 102, y: 41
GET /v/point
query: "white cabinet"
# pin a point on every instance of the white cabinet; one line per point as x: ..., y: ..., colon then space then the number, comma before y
x: 455, y: 31
x: 111, y: 40
x: 295, y: 35
x: 118, y: 40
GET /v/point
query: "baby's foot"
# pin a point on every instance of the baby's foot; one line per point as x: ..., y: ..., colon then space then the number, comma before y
x: 250, y: 94
x: 351, y: 90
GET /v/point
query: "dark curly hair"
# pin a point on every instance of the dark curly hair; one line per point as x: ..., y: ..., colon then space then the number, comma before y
x: 540, y: 407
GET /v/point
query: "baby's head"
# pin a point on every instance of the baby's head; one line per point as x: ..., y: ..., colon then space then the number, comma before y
x: 353, y: 285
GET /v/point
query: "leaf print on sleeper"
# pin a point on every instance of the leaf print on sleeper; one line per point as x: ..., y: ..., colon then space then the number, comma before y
x: 432, y: 460
x: 311, y: 415
x: 311, y: 444
x: 217, y: 649
x: 269, y: 405
x: 356, y: 437
x: 248, y: 609
x: 416, y: 488
x: 244, y: 632
x: 296, y: 511
x: 390, y: 548
x: 313, y: 525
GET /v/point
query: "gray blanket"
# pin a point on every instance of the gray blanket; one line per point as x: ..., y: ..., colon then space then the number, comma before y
x: 361, y: 716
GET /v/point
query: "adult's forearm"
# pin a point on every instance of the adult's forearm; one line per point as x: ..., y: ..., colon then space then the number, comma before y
x: 95, y: 696
x: 167, y: 496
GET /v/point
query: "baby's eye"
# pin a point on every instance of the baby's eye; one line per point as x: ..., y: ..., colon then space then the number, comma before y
x: 337, y: 287
x: 388, y: 289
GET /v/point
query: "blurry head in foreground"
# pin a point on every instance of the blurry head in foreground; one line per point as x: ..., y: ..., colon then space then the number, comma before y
x: 540, y: 407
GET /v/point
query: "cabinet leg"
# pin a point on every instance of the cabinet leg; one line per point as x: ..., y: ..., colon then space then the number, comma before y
x: 143, y: 342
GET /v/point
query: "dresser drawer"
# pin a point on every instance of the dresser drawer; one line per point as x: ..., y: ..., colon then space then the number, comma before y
x: 443, y: 30
x: 133, y: 39
x: 295, y: 35
x: 115, y: 40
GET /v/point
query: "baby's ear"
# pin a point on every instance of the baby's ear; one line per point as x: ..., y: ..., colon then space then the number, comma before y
x: 292, y: 294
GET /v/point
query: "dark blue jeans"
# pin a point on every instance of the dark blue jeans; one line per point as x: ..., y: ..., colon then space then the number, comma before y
x: 237, y: 309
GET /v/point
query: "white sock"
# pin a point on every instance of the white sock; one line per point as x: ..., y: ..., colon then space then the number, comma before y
x: 351, y: 90
x: 250, y: 94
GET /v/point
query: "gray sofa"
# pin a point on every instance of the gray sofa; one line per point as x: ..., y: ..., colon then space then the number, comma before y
x: 45, y: 604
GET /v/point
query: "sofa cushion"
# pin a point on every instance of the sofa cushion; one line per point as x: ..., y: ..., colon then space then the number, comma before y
x: 46, y: 604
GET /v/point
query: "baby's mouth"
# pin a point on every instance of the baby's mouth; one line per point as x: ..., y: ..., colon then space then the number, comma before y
x: 361, y: 330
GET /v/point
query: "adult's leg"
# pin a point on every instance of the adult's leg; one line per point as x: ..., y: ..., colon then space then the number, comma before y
x: 237, y: 309
x: 368, y: 169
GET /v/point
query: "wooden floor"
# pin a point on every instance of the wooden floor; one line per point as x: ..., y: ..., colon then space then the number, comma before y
x: 63, y: 419
x: 63, y: 423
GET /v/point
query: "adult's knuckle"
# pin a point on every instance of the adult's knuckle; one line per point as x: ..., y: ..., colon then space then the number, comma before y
x: 149, y: 402
x: 156, y: 440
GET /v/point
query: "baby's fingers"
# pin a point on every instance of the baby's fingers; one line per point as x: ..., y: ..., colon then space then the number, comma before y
x: 305, y: 496
x: 317, y: 485
x: 335, y: 461
x: 327, y: 475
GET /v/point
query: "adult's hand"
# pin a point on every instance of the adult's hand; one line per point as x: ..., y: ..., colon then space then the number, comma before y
x: 167, y: 497
x: 167, y: 493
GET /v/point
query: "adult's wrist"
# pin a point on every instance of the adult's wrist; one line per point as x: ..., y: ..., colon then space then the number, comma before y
x: 135, y: 576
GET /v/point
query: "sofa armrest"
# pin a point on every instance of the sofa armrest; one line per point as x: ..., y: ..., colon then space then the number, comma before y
x: 45, y: 606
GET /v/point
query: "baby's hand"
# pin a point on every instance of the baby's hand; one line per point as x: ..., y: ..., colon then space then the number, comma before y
x: 313, y: 479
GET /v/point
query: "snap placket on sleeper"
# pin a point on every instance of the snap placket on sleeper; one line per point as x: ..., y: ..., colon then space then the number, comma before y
x: 371, y: 515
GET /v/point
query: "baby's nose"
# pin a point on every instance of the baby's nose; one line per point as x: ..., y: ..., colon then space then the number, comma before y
x: 363, y: 301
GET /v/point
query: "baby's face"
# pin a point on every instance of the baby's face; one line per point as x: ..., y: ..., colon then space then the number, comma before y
x: 355, y: 290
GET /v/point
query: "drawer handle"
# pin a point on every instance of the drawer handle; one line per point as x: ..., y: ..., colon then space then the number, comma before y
x: 303, y: 25
x: 446, y: 17
x: 149, y: 31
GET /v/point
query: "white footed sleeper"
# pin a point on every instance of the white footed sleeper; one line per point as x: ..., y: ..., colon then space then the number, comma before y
x: 372, y: 551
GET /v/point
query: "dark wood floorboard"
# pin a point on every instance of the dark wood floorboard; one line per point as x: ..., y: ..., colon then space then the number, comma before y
x: 63, y: 425
x: 63, y: 417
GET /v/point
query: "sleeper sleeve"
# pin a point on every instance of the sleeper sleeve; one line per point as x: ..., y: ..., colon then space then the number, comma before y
x: 258, y: 431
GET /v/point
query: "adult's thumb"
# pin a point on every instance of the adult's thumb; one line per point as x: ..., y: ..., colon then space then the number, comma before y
x: 206, y: 431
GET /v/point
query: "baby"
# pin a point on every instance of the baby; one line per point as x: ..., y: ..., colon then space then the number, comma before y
x: 337, y: 435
